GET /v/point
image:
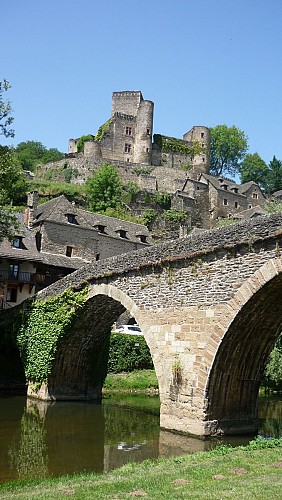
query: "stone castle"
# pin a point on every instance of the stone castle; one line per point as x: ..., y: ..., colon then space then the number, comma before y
x: 158, y: 163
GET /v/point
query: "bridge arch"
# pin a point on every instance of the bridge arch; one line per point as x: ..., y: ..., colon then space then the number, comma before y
x: 79, y: 367
x: 249, y: 324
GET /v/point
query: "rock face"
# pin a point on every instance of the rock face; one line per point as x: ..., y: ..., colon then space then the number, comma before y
x: 209, y: 307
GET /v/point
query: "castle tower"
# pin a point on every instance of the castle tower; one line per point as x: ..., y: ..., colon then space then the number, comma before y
x: 201, y: 162
x: 144, y: 129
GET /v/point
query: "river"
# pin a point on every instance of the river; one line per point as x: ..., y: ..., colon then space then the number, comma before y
x: 40, y: 439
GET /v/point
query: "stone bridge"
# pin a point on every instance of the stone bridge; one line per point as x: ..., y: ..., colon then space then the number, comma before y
x: 210, y: 309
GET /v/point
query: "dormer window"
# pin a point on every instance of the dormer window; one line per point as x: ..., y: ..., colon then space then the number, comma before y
x: 71, y: 219
x: 122, y: 233
x: 224, y: 186
x: 235, y: 190
x: 142, y: 238
x: 17, y: 242
x: 100, y: 228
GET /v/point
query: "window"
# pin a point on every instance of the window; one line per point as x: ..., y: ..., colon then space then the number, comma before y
x: 255, y: 196
x: 148, y: 131
x: 250, y: 206
x: 71, y: 218
x: 11, y: 294
x: 69, y: 251
x: 147, y: 150
x: 122, y: 233
x: 14, y: 270
x: 127, y: 148
x: 224, y: 186
x: 100, y: 228
x: 97, y: 256
x: 236, y: 204
x: 203, y: 159
x: 225, y: 201
x: 128, y: 131
x: 235, y: 190
x: 143, y: 238
x: 202, y: 135
x: 17, y: 242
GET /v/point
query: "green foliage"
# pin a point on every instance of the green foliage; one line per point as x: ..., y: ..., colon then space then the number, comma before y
x: 173, y: 215
x: 131, y: 191
x: 5, y: 111
x: 32, y: 154
x: 273, y: 371
x: 104, y: 189
x: 228, y: 149
x: 53, y: 189
x: 9, y: 224
x: 163, y: 200
x: 44, y: 324
x: 171, y: 144
x: 82, y: 140
x: 226, y: 222
x: 127, y: 353
x: 30, y: 456
x: 140, y: 170
x: 253, y: 168
x: 149, y: 217
x: 132, y: 381
x: 274, y: 181
x: 273, y: 206
x: 13, y: 182
x: 121, y: 213
x: 103, y: 130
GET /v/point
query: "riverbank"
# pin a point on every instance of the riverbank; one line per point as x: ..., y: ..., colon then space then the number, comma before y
x: 135, y: 381
x: 253, y: 471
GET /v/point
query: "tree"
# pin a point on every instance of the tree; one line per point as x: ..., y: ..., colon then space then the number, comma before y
x: 104, y: 189
x: 274, y: 181
x: 9, y: 223
x: 5, y: 111
x: 253, y: 168
x: 228, y: 148
x: 32, y: 154
x: 13, y: 182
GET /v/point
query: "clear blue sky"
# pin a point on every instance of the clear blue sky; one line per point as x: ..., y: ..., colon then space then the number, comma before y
x: 204, y: 62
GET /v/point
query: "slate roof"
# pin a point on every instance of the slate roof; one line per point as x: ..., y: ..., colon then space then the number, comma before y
x: 220, y: 181
x: 56, y: 210
x: 29, y: 252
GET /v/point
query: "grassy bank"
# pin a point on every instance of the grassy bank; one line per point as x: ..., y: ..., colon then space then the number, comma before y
x: 138, y: 380
x: 254, y: 471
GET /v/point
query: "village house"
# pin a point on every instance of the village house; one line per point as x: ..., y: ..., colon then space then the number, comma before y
x: 55, y: 239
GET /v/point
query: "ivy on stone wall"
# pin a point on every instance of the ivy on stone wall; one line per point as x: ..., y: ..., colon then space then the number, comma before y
x: 172, y: 144
x: 103, y: 130
x: 44, y: 324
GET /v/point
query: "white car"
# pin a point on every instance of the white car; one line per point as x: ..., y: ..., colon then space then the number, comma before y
x: 129, y: 329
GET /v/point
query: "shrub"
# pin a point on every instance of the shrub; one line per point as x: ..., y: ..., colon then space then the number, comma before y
x: 128, y: 353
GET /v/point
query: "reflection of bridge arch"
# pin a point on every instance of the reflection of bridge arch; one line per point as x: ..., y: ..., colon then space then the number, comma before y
x: 251, y: 324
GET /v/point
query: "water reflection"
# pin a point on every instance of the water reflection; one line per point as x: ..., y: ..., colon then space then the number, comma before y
x: 39, y: 439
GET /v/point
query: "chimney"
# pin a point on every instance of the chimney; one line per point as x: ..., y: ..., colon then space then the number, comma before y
x: 32, y: 200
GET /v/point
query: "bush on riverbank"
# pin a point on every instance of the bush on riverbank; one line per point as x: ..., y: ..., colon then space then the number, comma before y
x: 253, y: 471
x: 128, y: 353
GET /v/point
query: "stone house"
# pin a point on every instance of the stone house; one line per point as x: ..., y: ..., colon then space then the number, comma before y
x: 57, y: 238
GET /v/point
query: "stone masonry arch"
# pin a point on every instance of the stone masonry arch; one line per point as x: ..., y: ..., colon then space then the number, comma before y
x: 246, y: 330
x: 209, y: 307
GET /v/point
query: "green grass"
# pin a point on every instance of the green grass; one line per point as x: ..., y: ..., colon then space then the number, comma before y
x: 138, y: 380
x: 254, y: 471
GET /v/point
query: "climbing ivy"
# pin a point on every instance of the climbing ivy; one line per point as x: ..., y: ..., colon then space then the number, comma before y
x: 103, y: 130
x: 171, y: 144
x: 44, y: 324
